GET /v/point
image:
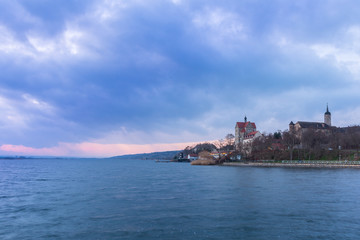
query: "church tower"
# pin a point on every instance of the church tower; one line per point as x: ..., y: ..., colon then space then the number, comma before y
x: 327, y: 116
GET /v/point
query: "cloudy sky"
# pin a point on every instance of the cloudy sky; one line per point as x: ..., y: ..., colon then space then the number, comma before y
x: 111, y: 77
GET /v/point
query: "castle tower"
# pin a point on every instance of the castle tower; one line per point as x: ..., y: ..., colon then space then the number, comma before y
x: 291, y: 127
x: 327, y: 116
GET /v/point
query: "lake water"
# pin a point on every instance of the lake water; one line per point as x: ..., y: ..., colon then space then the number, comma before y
x: 134, y: 199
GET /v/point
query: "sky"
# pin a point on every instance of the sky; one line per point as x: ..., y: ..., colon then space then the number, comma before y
x: 100, y: 78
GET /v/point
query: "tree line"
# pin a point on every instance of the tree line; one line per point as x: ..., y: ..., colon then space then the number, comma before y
x: 312, y: 144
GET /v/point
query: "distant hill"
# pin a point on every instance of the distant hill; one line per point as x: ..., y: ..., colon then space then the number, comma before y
x: 15, y: 157
x: 150, y: 156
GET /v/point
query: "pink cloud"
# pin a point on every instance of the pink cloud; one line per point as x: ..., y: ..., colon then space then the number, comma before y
x: 23, y: 150
x: 87, y: 149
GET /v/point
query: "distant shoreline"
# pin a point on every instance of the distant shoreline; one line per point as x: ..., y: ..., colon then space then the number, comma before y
x: 290, y: 165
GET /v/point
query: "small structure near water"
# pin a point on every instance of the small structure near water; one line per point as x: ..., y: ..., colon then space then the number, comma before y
x: 192, y: 157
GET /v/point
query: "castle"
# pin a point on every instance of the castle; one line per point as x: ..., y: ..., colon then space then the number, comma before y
x: 301, y: 126
x: 245, y: 132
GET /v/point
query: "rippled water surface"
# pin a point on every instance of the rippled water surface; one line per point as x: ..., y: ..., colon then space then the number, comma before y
x: 130, y: 199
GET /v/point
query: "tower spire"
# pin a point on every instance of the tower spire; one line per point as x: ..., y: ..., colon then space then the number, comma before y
x: 245, y: 118
x: 327, y: 109
x: 327, y: 115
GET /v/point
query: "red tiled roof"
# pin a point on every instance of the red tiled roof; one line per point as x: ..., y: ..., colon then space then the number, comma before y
x: 240, y: 124
x: 251, y: 135
x: 245, y: 124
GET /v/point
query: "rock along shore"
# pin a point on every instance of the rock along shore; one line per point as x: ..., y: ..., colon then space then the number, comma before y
x: 204, y: 162
x: 291, y: 165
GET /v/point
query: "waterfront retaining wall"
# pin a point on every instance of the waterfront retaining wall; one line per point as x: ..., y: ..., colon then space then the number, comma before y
x: 320, y: 164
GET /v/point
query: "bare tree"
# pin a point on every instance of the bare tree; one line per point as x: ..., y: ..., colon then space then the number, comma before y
x: 220, y: 144
x: 259, y: 148
x: 229, y: 142
x: 290, y: 139
x: 314, y: 142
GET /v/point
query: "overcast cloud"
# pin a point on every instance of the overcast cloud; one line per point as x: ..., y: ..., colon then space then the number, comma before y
x: 170, y: 72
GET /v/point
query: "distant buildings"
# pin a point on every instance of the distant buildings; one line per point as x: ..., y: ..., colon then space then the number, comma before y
x: 192, y: 157
x: 245, y: 132
x: 317, y: 140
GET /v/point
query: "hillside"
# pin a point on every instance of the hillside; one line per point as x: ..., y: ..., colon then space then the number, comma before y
x: 150, y: 156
